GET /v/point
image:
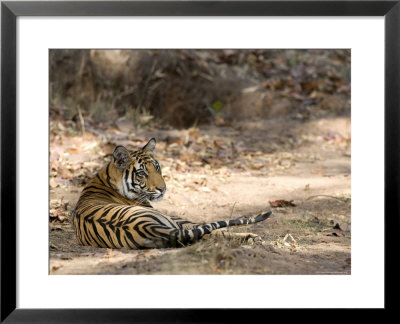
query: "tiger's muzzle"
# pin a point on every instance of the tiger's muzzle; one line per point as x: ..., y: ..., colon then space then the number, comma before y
x: 159, y: 194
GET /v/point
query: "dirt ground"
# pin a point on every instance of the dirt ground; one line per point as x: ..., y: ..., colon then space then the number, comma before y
x: 215, y: 173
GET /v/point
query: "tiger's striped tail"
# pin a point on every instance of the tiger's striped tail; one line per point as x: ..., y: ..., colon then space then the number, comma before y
x: 193, y: 235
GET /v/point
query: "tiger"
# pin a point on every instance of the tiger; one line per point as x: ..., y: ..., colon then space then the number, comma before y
x: 114, y: 209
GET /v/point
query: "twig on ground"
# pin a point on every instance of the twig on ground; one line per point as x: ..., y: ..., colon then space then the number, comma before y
x: 81, y: 119
x: 327, y: 196
x: 233, y: 207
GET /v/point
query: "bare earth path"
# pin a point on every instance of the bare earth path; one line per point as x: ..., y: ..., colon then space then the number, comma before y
x: 218, y: 173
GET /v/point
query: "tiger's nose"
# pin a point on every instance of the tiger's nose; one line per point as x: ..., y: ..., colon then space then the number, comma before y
x: 162, y: 190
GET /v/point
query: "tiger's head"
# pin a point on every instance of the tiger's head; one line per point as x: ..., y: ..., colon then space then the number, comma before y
x: 137, y: 174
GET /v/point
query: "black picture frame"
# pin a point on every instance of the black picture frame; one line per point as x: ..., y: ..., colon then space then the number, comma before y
x: 9, y: 13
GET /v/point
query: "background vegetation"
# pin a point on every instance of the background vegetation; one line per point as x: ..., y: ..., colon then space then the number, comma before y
x: 182, y: 88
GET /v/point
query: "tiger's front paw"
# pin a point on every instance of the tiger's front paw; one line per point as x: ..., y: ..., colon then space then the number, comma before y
x: 254, y: 239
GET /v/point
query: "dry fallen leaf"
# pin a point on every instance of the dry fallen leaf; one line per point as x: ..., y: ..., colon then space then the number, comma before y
x: 282, y: 203
x: 337, y: 226
x: 55, y: 268
x: 335, y: 234
x: 53, y: 183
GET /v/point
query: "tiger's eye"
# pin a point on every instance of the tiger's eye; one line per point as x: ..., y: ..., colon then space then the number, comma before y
x: 141, y: 174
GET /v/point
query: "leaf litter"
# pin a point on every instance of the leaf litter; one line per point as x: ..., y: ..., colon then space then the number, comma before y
x: 250, y: 164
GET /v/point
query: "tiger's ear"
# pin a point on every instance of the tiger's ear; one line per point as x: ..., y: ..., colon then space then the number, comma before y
x: 150, y: 145
x: 121, y: 157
